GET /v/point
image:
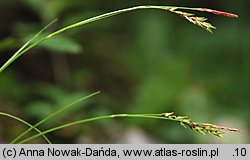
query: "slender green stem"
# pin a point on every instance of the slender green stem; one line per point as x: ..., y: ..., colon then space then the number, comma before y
x: 23, y: 49
x: 52, y: 115
x: 26, y: 123
x: 154, y: 116
x: 204, y: 128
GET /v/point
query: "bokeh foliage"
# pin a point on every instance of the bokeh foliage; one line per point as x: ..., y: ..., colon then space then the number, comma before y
x: 142, y: 62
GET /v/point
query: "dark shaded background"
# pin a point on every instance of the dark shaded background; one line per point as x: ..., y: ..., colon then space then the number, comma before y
x: 147, y: 61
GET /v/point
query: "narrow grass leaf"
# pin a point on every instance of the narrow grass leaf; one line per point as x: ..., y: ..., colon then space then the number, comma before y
x: 52, y: 115
x: 19, y: 52
x: 24, y: 122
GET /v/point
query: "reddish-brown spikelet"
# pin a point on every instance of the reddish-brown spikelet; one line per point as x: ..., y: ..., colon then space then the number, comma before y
x: 223, y: 128
x: 220, y: 13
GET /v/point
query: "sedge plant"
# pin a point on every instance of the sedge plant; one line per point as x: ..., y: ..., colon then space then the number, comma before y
x: 204, y: 128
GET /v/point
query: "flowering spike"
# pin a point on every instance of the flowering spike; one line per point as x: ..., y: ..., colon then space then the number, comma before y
x: 220, y: 13
x: 204, y: 128
x: 199, y: 21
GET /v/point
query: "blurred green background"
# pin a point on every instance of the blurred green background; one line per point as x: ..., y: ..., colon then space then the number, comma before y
x: 147, y: 61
